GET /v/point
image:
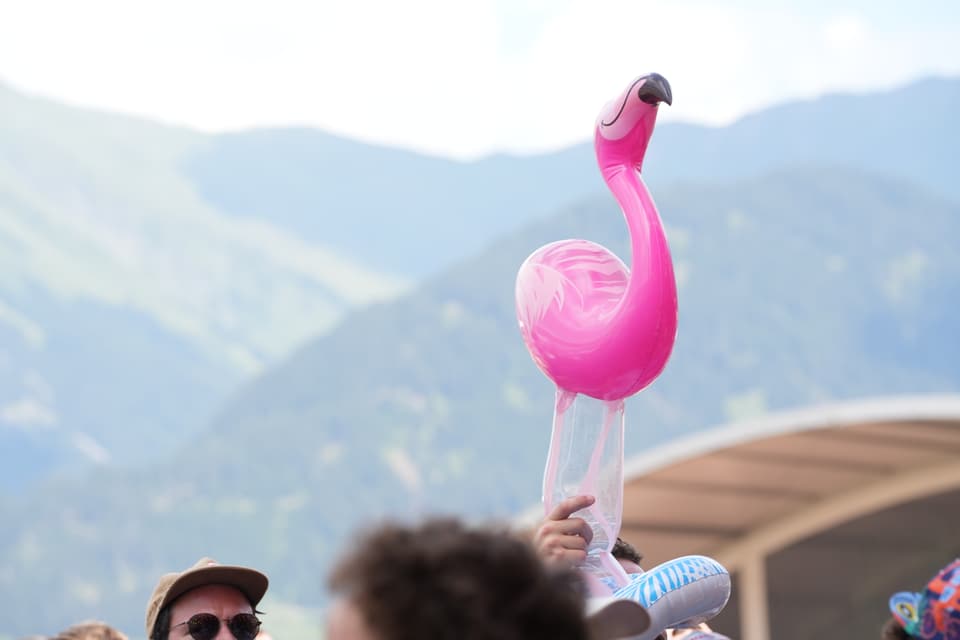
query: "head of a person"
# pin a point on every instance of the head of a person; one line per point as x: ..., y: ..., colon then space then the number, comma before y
x: 627, y: 555
x: 933, y: 614
x: 208, y: 601
x: 444, y: 580
x: 893, y: 630
x: 92, y: 630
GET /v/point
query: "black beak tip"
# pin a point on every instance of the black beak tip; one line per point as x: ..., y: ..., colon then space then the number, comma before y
x: 655, y: 90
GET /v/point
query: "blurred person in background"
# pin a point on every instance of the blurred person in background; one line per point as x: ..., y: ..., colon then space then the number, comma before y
x: 444, y: 580
x: 931, y: 615
x: 92, y: 630
x: 206, y: 601
x: 893, y: 630
x: 627, y: 555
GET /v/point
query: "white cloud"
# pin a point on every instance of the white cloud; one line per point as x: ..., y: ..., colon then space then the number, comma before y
x: 404, y: 468
x: 90, y: 448
x: 845, y: 33
x: 28, y: 413
x: 452, y: 77
x: 31, y: 332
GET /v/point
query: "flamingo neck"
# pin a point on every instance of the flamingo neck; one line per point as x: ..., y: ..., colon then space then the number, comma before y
x: 638, y: 208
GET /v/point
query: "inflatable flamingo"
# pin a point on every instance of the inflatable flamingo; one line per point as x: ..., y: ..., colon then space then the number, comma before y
x: 601, y: 330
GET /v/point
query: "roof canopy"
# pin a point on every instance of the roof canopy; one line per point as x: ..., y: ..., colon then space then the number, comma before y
x: 830, y: 508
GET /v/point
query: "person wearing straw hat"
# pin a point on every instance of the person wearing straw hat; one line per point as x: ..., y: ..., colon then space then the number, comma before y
x: 207, y: 601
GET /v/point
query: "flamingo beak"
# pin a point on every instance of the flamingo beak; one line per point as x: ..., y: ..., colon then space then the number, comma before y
x: 655, y: 89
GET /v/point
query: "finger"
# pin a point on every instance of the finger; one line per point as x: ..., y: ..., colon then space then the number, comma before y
x: 574, y: 556
x: 558, y: 541
x: 568, y: 527
x: 577, y: 528
x: 567, y: 557
x: 568, y: 506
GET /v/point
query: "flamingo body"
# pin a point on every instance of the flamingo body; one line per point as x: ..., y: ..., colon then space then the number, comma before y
x: 591, y: 324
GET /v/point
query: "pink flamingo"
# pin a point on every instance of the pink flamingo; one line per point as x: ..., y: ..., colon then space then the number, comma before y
x: 592, y: 325
x: 599, y: 329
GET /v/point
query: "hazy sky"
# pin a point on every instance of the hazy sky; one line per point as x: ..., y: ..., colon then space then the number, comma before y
x: 460, y: 78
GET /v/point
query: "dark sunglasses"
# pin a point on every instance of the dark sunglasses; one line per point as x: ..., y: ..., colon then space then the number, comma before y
x: 206, y: 626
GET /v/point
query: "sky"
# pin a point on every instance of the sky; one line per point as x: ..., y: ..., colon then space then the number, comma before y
x: 461, y: 79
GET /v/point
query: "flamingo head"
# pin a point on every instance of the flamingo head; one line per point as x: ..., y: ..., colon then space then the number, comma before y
x: 626, y: 124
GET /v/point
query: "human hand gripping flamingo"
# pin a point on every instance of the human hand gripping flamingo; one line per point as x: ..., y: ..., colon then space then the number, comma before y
x: 601, y: 331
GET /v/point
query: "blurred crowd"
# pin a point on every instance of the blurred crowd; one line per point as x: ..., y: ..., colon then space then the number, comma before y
x: 443, y: 579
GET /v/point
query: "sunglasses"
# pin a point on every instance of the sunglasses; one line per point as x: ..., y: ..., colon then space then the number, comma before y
x: 206, y: 626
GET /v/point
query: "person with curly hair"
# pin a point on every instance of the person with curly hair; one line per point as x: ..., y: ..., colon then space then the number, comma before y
x: 92, y: 630
x: 445, y: 580
x: 893, y: 630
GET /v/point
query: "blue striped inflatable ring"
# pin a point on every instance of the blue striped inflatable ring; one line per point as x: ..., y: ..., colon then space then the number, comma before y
x: 682, y: 592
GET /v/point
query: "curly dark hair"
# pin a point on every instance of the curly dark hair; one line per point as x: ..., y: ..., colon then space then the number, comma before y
x: 893, y: 630
x: 623, y: 550
x: 446, y: 581
x: 92, y: 630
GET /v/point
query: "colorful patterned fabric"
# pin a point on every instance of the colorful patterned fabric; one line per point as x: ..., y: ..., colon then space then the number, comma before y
x: 935, y: 613
x: 905, y: 607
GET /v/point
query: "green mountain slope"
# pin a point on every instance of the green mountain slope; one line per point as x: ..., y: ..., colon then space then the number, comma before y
x: 795, y: 288
x: 127, y: 305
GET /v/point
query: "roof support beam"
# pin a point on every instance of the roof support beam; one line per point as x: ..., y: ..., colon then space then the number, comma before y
x: 840, y: 508
x: 754, y: 607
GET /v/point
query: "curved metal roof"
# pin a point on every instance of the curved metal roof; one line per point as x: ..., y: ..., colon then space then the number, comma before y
x: 835, y: 506
x: 764, y: 484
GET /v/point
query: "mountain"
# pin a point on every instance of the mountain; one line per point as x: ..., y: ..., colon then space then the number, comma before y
x: 795, y: 287
x: 398, y: 211
x: 412, y: 214
x: 128, y: 307
x: 906, y: 132
x: 146, y: 270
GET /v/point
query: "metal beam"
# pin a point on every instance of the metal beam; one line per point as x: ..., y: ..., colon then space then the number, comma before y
x: 754, y: 607
x: 840, y: 508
